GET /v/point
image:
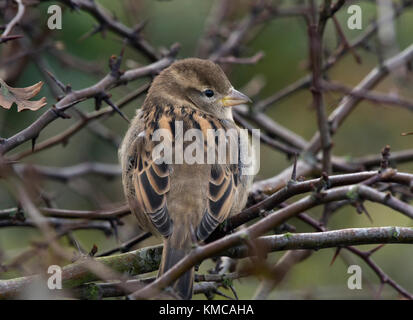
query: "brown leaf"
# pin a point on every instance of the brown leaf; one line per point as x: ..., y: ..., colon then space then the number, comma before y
x: 21, y: 96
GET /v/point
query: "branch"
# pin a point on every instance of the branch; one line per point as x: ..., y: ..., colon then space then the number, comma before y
x: 337, y: 117
x: 265, y: 225
x: 332, y: 60
x: 238, y: 34
x: 12, y: 213
x: 147, y: 259
x: 67, y: 173
x: 295, y: 188
x: 72, y: 97
x: 19, y: 15
x: 135, y: 262
x: 364, y: 255
x: 367, y: 95
x: 279, y: 272
x: 374, y: 160
x: 106, y: 20
x: 64, y: 137
x: 315, y: 44
x: 63, y: 225
x: 234, y: 60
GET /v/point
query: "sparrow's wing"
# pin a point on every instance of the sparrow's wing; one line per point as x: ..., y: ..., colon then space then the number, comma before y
x: 221, y: 192
x: 222, y: 184
x: 152, y: 182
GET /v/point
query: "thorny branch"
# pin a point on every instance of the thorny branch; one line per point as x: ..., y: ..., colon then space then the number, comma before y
x: 145, y: 260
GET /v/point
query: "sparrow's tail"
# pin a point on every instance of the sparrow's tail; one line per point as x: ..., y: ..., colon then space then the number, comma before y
x: 170, y: 257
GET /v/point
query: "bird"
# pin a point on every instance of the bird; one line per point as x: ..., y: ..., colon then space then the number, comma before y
x: 180, y: 201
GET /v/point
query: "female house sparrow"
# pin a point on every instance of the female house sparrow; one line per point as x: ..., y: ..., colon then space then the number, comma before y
x: 181, y: 201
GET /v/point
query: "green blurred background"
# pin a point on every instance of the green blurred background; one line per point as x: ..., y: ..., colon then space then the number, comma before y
x: 284, y: 42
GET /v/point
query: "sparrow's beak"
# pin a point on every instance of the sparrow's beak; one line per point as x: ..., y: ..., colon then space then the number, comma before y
x: 234, y: 98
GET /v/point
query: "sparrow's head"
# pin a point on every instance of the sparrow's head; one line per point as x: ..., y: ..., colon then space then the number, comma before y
x: 198, y: 82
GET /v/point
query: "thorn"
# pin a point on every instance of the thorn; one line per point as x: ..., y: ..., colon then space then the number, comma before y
x: 79, y: 253
x: 109, y: 102
x: 140, y: 26
x: 363, y: 208
x: 173, y: 51
x: 61, y: 109
x: 9, y: 38
x: 58, y: 82
x: 335, y: 255
x: 234, y: 292
x: 115, y: 230
x: 223, y: 294
x: 375, y: 249
x: 60, y: 113
x: 34, y: 142
x: 98, y: 102
x: 95, y: 30
x: 294, y: 173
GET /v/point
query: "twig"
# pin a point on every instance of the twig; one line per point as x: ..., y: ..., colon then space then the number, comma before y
x: 84, y: 121
x: 67, y: 173
x: 106, y: 20
x: 314, y: 36
x: 366, y: 256
x: 251, y: 60
x: 293, y: 189
x: 331, y: 61
x: 337, y: 117
x: 20, y: 12
x: 368, y: 95
x: 107, y: 82
x: 265, y: 225
x: 147, y: 259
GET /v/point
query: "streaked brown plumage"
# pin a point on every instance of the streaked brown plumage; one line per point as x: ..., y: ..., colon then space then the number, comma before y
x: 179, y: 200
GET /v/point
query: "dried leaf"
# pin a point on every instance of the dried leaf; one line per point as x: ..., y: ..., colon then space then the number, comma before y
x: 21, y: 96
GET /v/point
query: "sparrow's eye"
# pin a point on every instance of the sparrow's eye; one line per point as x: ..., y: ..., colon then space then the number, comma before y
x: 209, y: 93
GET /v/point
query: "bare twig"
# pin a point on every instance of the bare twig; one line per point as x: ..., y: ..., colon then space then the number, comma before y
x: 19, y: 15
x: 107, y: 82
